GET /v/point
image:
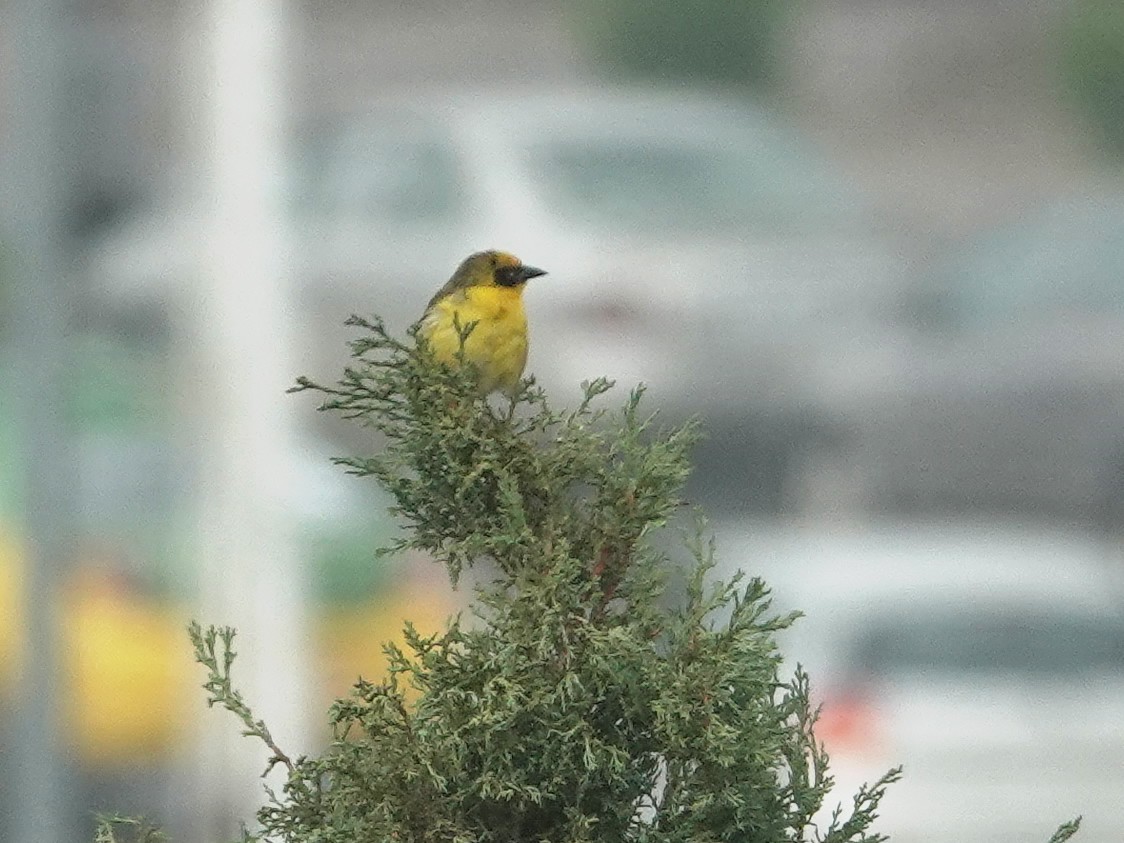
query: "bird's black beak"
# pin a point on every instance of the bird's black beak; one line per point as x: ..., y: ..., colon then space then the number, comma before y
x: 528, y: 272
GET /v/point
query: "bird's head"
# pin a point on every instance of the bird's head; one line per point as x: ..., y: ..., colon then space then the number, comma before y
x: 494, y: 269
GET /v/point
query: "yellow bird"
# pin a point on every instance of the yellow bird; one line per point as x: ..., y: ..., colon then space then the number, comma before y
x: 487, y: 288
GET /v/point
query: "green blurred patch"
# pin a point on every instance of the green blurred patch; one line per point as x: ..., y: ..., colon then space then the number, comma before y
x: 10, y: 470
x: 1094, y: 68
x: 712, y: 41
x: 5, y: 288
x: 117, y: 387
x: 344, y: 568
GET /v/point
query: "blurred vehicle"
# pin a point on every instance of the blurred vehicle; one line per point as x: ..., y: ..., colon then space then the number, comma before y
x: 1006, y: 391
x: 987, y: 661
x: 693, y: 243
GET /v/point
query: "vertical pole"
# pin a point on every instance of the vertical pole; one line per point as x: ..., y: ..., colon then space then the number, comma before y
x: 239, y: 310
x: 34, y: 190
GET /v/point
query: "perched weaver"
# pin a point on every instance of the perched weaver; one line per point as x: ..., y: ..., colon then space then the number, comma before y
x: 486, y: 289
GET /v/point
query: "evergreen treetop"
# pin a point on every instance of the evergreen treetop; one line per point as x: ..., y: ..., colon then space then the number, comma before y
x: 575, y: 704
x: 578, y: 701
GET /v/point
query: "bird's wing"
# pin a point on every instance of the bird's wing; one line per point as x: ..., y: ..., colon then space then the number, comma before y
x: 451, y: 286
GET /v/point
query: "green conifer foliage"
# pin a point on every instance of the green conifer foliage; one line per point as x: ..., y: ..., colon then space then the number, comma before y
x: 575, y: 704
x: 578, y: 702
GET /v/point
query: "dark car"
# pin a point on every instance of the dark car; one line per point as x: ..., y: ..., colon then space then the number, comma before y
x: 1005, y: 389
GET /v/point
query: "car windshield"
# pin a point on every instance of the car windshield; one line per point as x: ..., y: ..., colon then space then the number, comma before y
x: 1068, y: 263
x: 396, y: 173
x: 1017, y: 643
x: 680, y: 183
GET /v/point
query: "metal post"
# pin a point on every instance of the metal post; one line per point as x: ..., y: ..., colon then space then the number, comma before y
x: 239, y: 310
x: 34, y: 204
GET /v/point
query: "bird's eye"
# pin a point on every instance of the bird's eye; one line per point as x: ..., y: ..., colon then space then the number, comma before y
x: 507, y: 276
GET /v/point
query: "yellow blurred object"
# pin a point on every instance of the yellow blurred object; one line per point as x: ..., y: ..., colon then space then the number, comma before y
x: 129, y: 686
x: 11, y: 611
x: 487, y: 289
x: 128, y: 671
x: 350, y: 638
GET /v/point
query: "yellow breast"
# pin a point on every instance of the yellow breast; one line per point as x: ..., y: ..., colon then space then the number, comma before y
x: 497, y: 345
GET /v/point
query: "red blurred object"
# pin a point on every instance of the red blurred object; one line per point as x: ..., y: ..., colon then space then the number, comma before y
x: 848, y: 722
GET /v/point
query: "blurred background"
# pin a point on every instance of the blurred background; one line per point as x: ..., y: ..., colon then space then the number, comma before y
x: 878, y: 246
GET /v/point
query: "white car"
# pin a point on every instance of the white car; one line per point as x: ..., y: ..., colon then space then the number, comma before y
x: 987, y: 661
x: 692, y: 243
